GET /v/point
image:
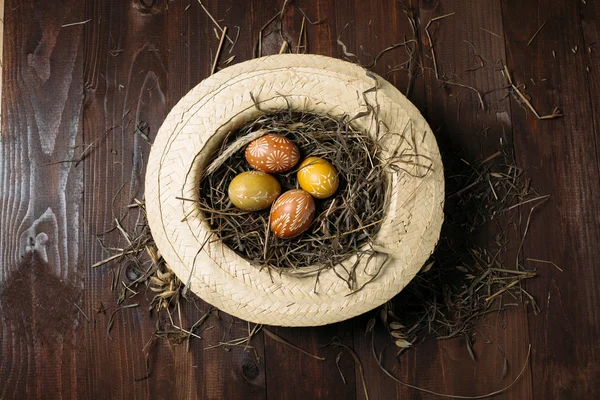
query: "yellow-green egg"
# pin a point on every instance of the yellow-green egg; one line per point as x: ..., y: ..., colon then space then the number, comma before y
x: 318, y: 177
x: 253, y: 190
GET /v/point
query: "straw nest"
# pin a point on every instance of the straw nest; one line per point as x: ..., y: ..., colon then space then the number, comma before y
x: 403, y: 182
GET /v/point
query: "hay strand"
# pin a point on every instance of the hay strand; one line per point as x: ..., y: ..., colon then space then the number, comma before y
x: 345, y: 224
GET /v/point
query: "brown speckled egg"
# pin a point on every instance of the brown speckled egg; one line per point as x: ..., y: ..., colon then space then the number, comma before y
x: 253, y: 190
x: 292, y: 213
x: 318, y: 177
x: 272, y: 153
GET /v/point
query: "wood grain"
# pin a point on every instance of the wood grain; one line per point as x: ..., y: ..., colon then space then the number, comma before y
x: 367, y: 29
x: 306, y: 377
x: 63, y: 88
x: 41, y: 200
x: 590, y: 23
x: 561, y: 157
x: 1, y: 51
x: 216, y: 373
x: 468, y: 55
x: 125, y: 75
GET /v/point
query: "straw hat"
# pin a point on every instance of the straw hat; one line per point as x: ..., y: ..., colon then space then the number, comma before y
x: 223, y: 103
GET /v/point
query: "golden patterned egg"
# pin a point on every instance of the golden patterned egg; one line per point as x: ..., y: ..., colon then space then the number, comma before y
x: 253, y: 190
x: 318, y: 177
x: 292, y: 213
x: 272, y: 153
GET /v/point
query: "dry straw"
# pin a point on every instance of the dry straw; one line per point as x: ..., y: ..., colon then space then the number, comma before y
x: 345, y: 224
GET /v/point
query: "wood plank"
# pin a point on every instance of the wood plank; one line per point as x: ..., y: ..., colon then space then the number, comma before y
x: 1, y: 52
x: 366, y: 29
x: 212, y: 373
x: 40, y: 250
x: 590, y: 22
x: 125, y: 88
x: 306, y: 377
x: 231, y: 371
x: 468, y: 55
x: 320, y: 37
x: 459, y: 381
x: 561, y: 157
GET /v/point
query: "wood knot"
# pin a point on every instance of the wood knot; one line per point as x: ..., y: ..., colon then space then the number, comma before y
x: 39, y: 245
x: 147, y: 7
x: 250, y: 370
x: 133, y: 271
x: 428, y: 5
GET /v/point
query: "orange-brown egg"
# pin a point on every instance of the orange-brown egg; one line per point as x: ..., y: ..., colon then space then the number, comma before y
x: 318, y: 177
x: 292, y: 213
x: 253, y: 190
x: 272, y: 153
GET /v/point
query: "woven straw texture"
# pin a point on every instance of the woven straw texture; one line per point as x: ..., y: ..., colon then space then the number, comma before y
x: 223, y: 103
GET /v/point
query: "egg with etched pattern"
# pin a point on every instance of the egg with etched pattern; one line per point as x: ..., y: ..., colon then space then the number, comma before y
x: 253, y: 190
x: 318, y: 177
x: 272, y: 153
x: 292, y: 213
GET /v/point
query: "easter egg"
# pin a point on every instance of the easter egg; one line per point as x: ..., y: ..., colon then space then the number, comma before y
x: 272, y: 153
x: 318, y: 177
x: 253, y: 190
x: 292, y: 213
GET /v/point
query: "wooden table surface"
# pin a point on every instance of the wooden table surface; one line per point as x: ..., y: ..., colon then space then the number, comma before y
x: 129, y: 61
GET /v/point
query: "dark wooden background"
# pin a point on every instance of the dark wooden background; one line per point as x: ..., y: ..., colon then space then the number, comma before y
x: 64, y: 87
